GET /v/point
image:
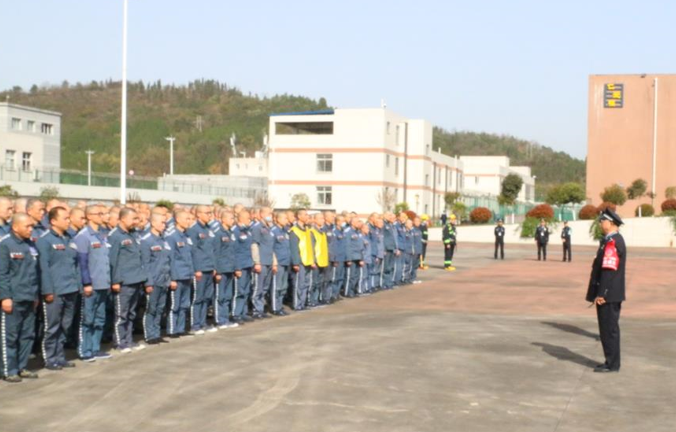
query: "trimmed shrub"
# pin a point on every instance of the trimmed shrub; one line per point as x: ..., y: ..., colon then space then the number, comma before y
x: 646, y: 210
x: 480, y: 215
x: 588, y: 212
x: 595, y: 231
x: 542, y: 211
x: 668, y: 205
x: 606, y: 205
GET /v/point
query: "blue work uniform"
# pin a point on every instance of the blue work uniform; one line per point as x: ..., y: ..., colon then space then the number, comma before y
x: 126, y: 269
x: 264, y: 240
x: 417, y: 252
x: 337, y: 256
x: 19, y: 282
x: 182, y: 272
x: 204, y: 260
x: 365, y: 280
x: 399, y: 260
x: 391, y: 251
x: 378, y: 253
x: 156, y: 258
x: 225, y: 266
x: 280, y: 281
x: 94, y: 264
x: 354, y: 251
x: 60, y: 277
x: 302, y: 279
x: 243, y: 264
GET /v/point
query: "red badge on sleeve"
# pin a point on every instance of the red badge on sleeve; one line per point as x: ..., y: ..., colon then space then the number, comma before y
x: 611, y: 261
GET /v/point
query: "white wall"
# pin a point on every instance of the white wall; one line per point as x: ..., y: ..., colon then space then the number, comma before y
x: 637, y: 232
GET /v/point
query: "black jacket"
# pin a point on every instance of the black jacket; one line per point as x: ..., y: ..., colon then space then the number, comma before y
x: 542, y: 234
x: 609, y: 284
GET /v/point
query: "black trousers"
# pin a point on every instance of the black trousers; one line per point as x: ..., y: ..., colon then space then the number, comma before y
x: 567, y: 251
x: 424, y: 254
x: 609, y: 327
x: 542, y: 251
x: 500, y: 244
x: 448, y: 255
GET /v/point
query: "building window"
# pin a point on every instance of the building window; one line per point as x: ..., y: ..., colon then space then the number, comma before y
x: 16, y: 123
x: 324, y: 195
x: 9, y: 159
x: 47, y: 129
x: 476, y: 180
x: 396, y: 134
x: 304, y: 128
x: 30, y: 126
x: 387, y: 161
x: 427, y: 149
x: 387, y: 128
x: 396, y: 166
x: 26, y: 161
x: 439, y: 176
x: 427, y: 179
x: 325, y: 163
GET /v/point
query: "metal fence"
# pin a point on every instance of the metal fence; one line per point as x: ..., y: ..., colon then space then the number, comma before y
x: 81, y: 178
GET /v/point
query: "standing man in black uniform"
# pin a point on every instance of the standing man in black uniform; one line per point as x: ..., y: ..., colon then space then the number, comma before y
x: 424, y: 229
x: 541, y: 239
x: 607, y: 288
x: 499, y: 240
x: 566, y: 234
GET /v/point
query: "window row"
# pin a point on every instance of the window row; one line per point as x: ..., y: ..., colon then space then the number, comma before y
x: 31, y: 126
x: 26, y: 160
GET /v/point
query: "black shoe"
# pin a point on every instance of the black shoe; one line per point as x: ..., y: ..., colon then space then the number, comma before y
x: 26, y: 374
x: 283, y: 313
x: 604, y: 369
x: 67, y: 364
x: 265, y: 315
x: 246, y: 318
x: 162, y: 340
x: 174, y: 336
x: 13, y: 379
x: 153, y: 341
x: 53, y: 367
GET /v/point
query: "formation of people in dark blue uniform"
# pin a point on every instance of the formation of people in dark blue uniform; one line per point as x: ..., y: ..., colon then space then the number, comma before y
x: 86, y: 276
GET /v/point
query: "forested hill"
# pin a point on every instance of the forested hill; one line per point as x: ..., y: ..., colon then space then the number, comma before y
x: 201, y: 115
x: 204, y: 113
x: 550, y: 166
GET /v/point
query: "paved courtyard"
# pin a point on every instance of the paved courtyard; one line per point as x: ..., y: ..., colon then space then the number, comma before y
x: 496, y: 346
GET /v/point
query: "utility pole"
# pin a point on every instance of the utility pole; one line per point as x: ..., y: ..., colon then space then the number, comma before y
x: 89, y: 166
x: 171, y: 140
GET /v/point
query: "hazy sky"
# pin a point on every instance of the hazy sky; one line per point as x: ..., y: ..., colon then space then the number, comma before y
x: 513, y: 67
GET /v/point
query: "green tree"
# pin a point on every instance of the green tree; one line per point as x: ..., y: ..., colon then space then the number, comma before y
x: 401, y: 207
x: 218, y: 201
x: 511, y: 186
x: 567, y: 193
x: 670, y: 192
x: 7, y: 191
x: 165, y: 203
x: 614, y: 194
x: 637, y: 189
x: 48, y: 193
x: 450, y: 198
x: 300, y: 201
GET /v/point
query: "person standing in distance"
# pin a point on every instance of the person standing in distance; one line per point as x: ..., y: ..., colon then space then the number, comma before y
x: 607, y: 288
x: 541, y: 239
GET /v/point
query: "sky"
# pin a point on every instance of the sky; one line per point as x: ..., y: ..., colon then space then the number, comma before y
x: 509, y: 67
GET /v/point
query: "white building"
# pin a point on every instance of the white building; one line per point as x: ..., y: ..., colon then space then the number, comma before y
x: 484, y: 176
x: 361, y: 160
x: 249, y: 167
x: 30, y: 141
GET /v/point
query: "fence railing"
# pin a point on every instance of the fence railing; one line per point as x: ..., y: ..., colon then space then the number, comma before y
x: 81, y: 178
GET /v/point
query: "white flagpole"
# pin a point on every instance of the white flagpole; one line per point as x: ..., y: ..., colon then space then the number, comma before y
x: 123, y: 132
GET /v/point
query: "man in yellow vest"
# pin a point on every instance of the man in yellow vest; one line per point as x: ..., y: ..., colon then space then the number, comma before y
x: 302, y: 260
x: 321, y: 275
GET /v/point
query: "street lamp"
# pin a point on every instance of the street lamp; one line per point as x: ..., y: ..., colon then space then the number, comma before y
x: 171, y: 140
x: 89, y: 166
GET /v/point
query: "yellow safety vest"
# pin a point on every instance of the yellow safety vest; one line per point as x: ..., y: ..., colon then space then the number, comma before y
x: 304, y: 245
x: 321, y: 248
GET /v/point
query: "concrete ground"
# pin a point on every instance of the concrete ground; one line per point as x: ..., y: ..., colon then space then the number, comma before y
x: 496, y: 346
